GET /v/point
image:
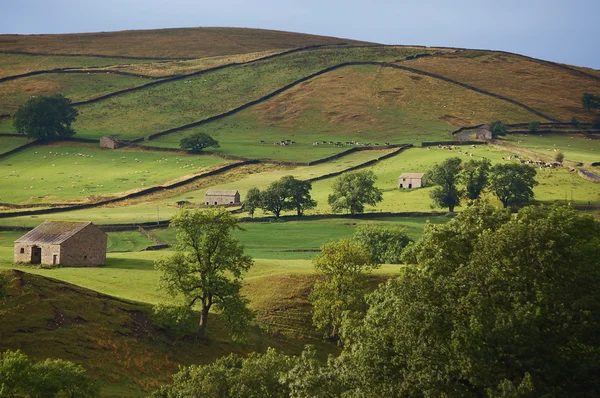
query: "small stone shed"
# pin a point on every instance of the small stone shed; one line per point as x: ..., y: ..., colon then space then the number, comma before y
x: 484, y: 133
x: 222, y: 198
x: 411, y: 180
x: 64, y: 243
x: 110, y: 142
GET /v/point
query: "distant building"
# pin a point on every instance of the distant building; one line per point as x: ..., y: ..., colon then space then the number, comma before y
x: 484, y: 133
x: 222, y: 198
x: 411, y: 180
x: 183, y: 203
x: 62, y: 243
x: 110, y: 142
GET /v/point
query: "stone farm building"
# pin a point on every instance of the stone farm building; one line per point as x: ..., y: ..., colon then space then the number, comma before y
x: 484, y: 133
x: 110, y: 142
x: 222, y: 198
x: 62, y: 243
x: 411, y: 180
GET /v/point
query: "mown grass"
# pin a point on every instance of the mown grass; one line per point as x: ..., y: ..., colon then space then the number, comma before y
x: 576, y: 147
x: 8, y: 143
x: 360, y: 103
x: 169, y: 68
x: 169, y: 43
x: 78, y: 172
x: 76, y: 87
x: 180, y: 102
x: 127, y: 241
x: 17, y: 64
x: 551, y: 90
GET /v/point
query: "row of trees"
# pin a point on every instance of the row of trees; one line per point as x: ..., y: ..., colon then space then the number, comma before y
x: 512, y: 183
x: 479, y: 314
x: 351, y: 192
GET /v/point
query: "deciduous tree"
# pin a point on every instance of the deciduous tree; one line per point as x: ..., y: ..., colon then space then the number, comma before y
x: 498, y: 128
x: 343, y: 266
x: 46, y: 118
x: 207, y: 266
x: 513, y: 183
x: 352, y: 191
x: 475, y: 177
x: 196, y: 142
x: 384, y: 243
x: 253, y: 201
x: 590, y: 101
x: 273, y: 199
x: 445, y: 177
x: 297, y: 194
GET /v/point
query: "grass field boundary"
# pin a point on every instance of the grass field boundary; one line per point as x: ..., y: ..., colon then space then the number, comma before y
x: 18, y: 149
x: 132, y: 195
x: 327, y: 70
x: 93, y: 56
x: 456, y: 143
x: 74, y: 70
x: 362, y: 165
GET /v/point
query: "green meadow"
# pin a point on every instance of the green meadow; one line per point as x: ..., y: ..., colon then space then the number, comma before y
x: 576, y: 147
x: 74, y: 172
x: 8, y: 143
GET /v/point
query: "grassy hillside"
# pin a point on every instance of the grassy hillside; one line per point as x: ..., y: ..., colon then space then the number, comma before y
x: 69, y: 172
x: 166, y: 43
x: 76, y: 87
x: 546, y: 88
x: 8, y: 143
x: 363, y: 103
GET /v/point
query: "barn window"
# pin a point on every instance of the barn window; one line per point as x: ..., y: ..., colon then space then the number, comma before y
x: 215, y: 202
x: 22, y: 250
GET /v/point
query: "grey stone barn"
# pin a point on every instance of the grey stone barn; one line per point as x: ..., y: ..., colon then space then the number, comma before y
x: 110, y: 142
x: 484, y: 133
x: 411, y: 180
x: 62, y: 243
x: 222, y: 198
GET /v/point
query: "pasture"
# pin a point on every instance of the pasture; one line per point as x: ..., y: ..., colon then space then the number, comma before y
x: 576, y: 147
x: 8, y: 143
x: 358, y: 103
x: 77, y: 87
x: 17, y: 64
x: 82, y: 172
x: 546, y: 88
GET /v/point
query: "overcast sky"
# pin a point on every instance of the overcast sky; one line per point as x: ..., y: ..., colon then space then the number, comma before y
x: 565, y: 31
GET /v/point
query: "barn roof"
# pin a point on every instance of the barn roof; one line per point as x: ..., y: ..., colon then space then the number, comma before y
x: 222, y: 192
x: 53, y: 232
x: 112, y: 138
x: 412, y: 175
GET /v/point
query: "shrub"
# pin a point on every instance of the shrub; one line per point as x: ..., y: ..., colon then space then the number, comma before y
x: 178, y: 319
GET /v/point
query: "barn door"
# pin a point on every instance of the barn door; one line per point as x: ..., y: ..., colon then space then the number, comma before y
x: 36, y: 255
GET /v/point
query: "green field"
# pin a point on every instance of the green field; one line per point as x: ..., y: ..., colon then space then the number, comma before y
x: 8, y: 143
x: 360, y: 103
x: 176, y: 103
x: 74, y: 172
x: 16, y: 64
x: 576, y: 147
x: 127, y: 241
x: 76, y: 87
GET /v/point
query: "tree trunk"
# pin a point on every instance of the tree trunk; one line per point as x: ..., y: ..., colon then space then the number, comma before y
x: 203, y: 322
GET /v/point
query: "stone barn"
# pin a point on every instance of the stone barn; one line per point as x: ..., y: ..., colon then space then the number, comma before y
x: 411, y: 180
x: 62, y: 243
x: 222, y: 198
x: 484, y: 133
x: 110, y: 142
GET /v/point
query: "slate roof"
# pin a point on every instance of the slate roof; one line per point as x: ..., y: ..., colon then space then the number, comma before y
x: 53, y: 232
x: 412, y: 175
x: 223, y: 192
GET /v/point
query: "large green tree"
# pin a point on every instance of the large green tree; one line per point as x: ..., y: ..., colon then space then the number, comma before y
x: 273, y: 199
x: 384, y: 243
x: 342, y: 267
x: 475, y: 177
x: 445, y: 176
x: 499, y: 305
x: 46, y: 118
x: 297, y: 194
x: 498, y: 128
x: 207, y: 266
x: 513, y: 183
x: 352, y: 191
x: 253, y: 201
x: 196, y: 142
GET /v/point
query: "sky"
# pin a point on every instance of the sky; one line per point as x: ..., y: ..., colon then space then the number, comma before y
x: 566, y: 31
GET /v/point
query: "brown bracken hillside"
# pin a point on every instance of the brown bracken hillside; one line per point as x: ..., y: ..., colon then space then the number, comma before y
x: 166, y: 43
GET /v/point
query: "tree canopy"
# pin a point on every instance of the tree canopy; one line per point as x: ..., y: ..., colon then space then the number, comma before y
x: 475, y: 177
x: 46, y: 118
x: 513, y: 183
x: 498, y: 128
x: 590, y: 101
x: 197, y: 142
x: 297, y: 194
x: 207, y: 266
x: 253, y: 200
x: 445, y: 176
x: 384, y: 243
x: 352, y: 191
